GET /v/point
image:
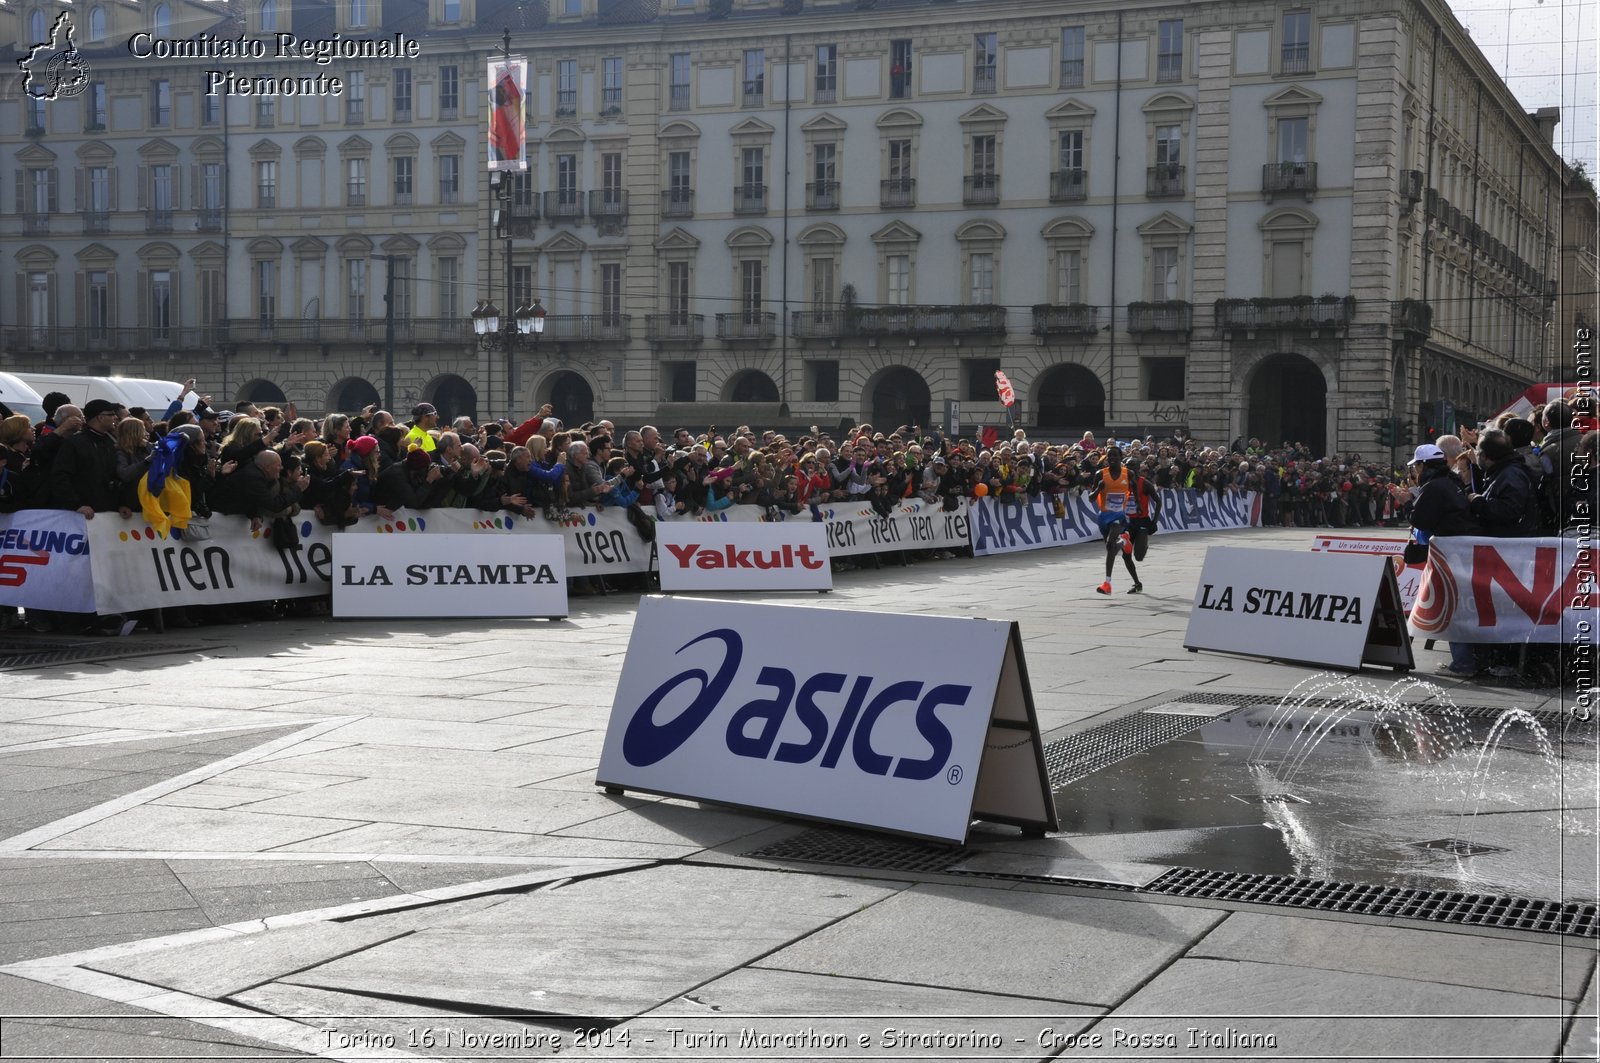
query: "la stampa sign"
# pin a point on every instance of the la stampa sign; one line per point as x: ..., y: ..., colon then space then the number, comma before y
x: 800, y: 711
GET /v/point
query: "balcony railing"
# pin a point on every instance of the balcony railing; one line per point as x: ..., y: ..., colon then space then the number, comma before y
x: 526, y: 208
x: 755, y: 94
x: 1172, y: 316
x: 1295, y: 59
x: 825, y: 93
x: 924, y: 320
x: 1169, y: 66
x: 817, y: 324
x: 1296, y: 312
x: 822, y: 195
x: 266, y: 200
x: 980, y: 189
x: 610, y: 101
x: 677, y: 203
x: 36, y: 224
x: 402, y: 115
x: 675, y: 328
x: 1164, y: 179
x: 355, y: 199
x: 563, y: 204
x: 983, y: 79
x: 608, y: 204
x: 749, y: 199
x: 1411, y: 185
x: 85, y: 339
x: 96, y: 222
x: 747, y: 325
x: 1072, y: 319
x: 1412, y: 316
x: 208, y: 220
x: 678, y: 99
x: 1293, y: 177
x: 158, y: 221
x: 897, y: 192
x: 585, y: 328
x: 1068, y: 185
x: 1072, y: 73
x: 344, y: 330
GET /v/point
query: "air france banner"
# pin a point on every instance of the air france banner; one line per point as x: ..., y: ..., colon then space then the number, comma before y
x: 739, y: 556
x: 1033, y: 524
x: 747, y: 705
x: 1478, y: 589
x: 449, y: 575
x: 44, y: 561
x: 1340, y: 610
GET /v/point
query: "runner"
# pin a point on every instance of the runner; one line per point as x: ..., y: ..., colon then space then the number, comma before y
x: 1115, y: 497
x: 1142, y: 524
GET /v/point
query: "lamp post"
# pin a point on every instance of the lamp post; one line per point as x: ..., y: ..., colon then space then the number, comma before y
x: 521, y: 328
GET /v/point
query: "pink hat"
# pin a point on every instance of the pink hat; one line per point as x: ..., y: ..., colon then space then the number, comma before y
x: 363, y: 445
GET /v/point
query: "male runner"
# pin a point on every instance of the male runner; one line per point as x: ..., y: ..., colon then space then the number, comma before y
x: 1142, y: 524
x: 1115, y: 495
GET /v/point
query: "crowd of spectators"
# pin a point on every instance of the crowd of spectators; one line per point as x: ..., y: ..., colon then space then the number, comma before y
x: 178, y: 466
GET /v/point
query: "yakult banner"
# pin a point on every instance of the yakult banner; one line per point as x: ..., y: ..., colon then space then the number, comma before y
x: 740, y: 556
x: 1477, y: 589
x: 1009, y: 527
x: 44, y: 561
x: 449, y: 575
x: 727, y: 702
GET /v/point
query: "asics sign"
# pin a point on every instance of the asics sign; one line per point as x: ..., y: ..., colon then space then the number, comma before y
x: 801, y: 711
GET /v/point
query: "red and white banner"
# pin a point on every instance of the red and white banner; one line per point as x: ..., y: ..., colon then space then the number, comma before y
x: 1409, y: 577
x: 1478, y: 589
x: 508, y: 124
x: 713, y: 556
x: 1003, y: 388
x: 44, y: 561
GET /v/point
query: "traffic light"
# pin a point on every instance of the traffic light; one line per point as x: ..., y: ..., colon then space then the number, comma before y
x: 1389, y: 432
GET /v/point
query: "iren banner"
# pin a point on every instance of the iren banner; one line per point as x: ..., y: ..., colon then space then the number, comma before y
x: 1478, y: 589
x: 1032, y: 524
x: 739, y: 556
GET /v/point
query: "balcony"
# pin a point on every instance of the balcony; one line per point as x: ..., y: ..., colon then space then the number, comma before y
x: 1297, y: 178
x: 610, y: 103
x: 678, y: 100
x: 158, y: 221
x: 364, y: 330
x: 899, y: 83
x: 97, y: 222
x: 1165, y: 180
x: 1169, y: 67
x: 755, y: 94
x: 822, y: 195
x: 1173, y: 316
x: 747, y: 326
x: 608, y: 205
x: 980, y: 189
x: 1411, y: 185
x: 674, y: 328
x: 983, y: 80
x: 525, y: 209
x: 924, y: 320
x: 1295, y: 59
x: 749, y: 199
x: 1412, y: 318
x: 36, y: 225
x: 1071, y: 319
x: 677, y: 203
x: 563, y: 205
x: 1072, y: 73
x: 826, y: 93
x: 208, y: 220
x: 586, y: 328
x: 1295, y: 313
x: 897, y: 192
x: 89, y: 339
x: 266, y: 200
x: 402, y: 115
x: 816, y: 324
x: 567, y: 103
x: 1068, y: 185
x: 355, y: 112
x: 355, y: 199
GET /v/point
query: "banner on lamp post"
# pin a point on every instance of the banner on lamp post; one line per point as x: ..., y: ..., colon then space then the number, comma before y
x: 508, y: 121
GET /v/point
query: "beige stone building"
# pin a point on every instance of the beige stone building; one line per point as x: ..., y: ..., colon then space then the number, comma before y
x: 1231, y: 219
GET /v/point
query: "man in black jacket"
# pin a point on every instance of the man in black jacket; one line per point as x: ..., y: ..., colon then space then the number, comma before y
x: 1508, y: 506
x: 84, y: 473
x: 1441, y: 507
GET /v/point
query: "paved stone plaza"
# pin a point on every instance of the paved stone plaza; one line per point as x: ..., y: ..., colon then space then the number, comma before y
x: 361, y: 840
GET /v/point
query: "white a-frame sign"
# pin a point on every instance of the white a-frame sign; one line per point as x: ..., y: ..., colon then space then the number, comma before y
x: 1340, y: 610
x: 910, y: 724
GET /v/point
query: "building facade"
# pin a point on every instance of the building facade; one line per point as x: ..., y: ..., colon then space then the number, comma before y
x: 1232, y: 220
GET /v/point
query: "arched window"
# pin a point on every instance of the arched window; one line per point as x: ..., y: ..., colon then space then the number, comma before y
x: 97, y: 24
x: 36, y: 27
x: 269, y: 16
x: 163, y: 18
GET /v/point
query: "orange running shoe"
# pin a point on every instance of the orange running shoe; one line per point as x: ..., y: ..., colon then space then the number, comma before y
x: 1104, y: 588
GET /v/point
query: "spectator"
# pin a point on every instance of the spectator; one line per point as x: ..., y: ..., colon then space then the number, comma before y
x: 423, y: 418
x: 84, y: 473
x: 415, y: 483
x: 1508, y: 505
x: 261, y: 491
x: 133, y: 458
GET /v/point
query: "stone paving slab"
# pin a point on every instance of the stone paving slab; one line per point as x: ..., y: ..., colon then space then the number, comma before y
x: 671, y: 821
x: 484, y: 768
x: 1556, y: 968
x: 601, y: 947
x: 1320, y: 1014
x: 143, y: 1038
x: 441, y: 804
x: 1583, y: 1038
x: 154, y: 827
x: 1085, y: 950
x: 441, y: 734
x: 378, y: 839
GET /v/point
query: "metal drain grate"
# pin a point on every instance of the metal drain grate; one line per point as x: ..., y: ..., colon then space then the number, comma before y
x: 1086, y: 752
x: 42, y: 652
x: 823, y: 846
x: 1467, y: 909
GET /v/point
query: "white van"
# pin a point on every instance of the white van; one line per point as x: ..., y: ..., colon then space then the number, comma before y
x: 154, y: 395
x: 20, y: 397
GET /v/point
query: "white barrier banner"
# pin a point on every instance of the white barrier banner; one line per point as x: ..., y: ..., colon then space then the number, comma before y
x: 44, y: 561
x: 716, y: 702
x: 1011, y: 527
x: 135, y: 568
x: 788, y: 555
x: 1408, y: 576
x: 449, y: 575
x: 855, y: 528
x: 599, y: 542
x: 1331, y: 609
x: 1479, y: 589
